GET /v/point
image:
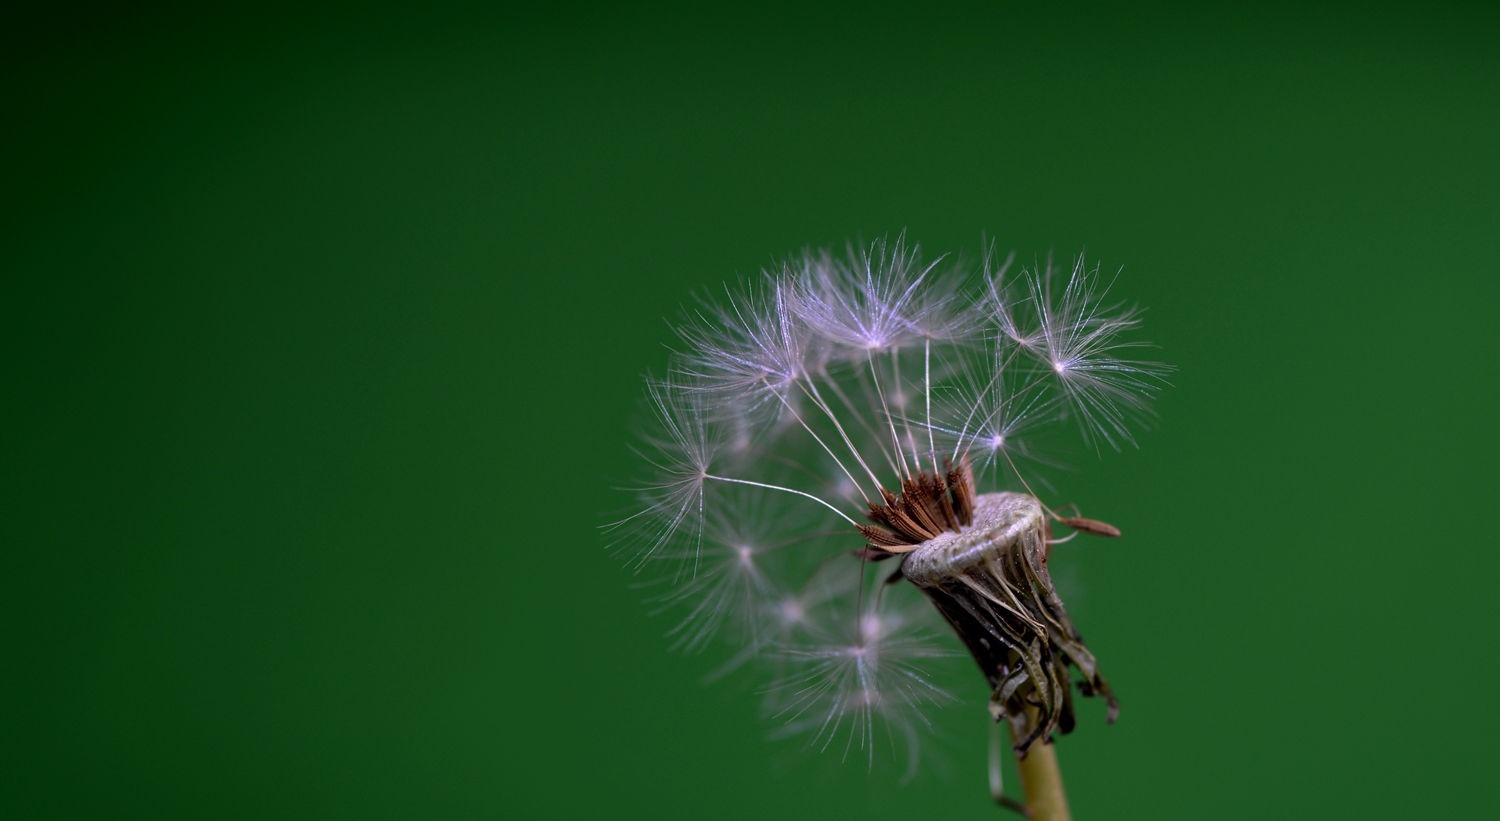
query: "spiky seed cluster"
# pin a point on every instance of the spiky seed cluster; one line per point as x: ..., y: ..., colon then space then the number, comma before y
x: 927, y: 506
x: 876, y: 386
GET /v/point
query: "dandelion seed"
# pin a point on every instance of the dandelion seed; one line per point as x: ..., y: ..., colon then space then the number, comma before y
x: 841, y: 461
x: 846, y: 688
x: 1080, y: 336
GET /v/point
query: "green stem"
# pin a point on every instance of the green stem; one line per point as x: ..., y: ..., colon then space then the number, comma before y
x: 1041, y: 782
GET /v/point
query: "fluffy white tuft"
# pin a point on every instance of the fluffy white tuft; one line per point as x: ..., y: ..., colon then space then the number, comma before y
x: 801, y: 396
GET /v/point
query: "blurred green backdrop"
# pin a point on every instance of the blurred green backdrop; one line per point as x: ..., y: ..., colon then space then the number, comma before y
x: 324, y: 336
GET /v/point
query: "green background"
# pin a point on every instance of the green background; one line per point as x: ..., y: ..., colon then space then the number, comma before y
x: 324, y: 337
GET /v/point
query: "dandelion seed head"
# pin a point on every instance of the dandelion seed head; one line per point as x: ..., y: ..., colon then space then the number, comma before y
x: 822, y: 422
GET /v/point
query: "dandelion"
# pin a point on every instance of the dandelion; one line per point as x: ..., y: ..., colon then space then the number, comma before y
x: 842, y: 457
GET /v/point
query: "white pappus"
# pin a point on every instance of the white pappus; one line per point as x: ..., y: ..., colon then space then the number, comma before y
x: 825, y: 424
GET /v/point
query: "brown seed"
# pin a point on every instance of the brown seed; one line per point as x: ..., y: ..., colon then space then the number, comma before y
x: 1093, y: 526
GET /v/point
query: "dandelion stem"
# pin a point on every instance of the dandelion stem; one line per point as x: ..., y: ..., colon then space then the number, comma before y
x: 1041, y: 781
